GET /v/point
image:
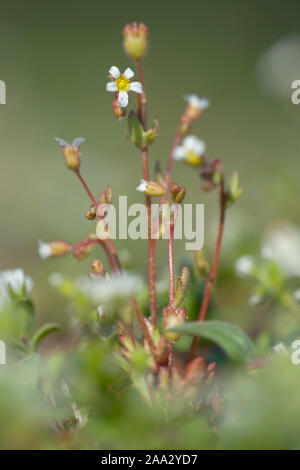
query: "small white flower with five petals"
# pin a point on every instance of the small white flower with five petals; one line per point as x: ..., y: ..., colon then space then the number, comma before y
x: 191, y: 150
x: 122, y: 84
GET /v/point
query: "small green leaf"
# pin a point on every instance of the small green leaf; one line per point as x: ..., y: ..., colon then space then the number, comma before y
x: 137, y: 135
x: 135, y: 130
x: 236, y: 344
x: 24, y: 314
x: 41, y: 333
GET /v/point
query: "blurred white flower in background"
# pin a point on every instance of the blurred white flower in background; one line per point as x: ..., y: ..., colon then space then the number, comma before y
x: 279, y: 66
x: 297, y: 295
x: 105, y: 291
x: 16, y: 281
x: 255, y: 299
x: 244, y: 266
x: 280, y: 348
x: 55, y: 279
x: 282, y: 245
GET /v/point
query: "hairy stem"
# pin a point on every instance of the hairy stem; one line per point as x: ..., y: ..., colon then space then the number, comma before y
x: 142, y: 112
x: 176, y: 142
x: 171, y: 263
x: 142, y: 100
x: 214, y: 267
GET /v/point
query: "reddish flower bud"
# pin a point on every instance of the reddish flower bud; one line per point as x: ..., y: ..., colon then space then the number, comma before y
x: 97, y: 266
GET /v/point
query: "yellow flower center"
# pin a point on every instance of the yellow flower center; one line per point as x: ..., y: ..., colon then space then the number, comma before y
x: 123, y: 83
x: 193, y: 159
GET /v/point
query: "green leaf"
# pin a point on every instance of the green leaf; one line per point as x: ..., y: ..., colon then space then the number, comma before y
x: 236, y: 344
x: 135, y: 130
x: 24, y: 315
x: 138, y: 136
x: 41, y: 333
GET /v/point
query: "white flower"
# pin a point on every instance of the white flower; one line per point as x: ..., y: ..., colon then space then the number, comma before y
x: 122, y: 84
x: 297, y: 295
x: 244, y: 265
x: 100, y: 312
x: 15, y: 280
x: 55, y: 279
x: 44, y: 249
x: 191, y: 150
x: 282, y: 245
x: 255, y: 299
x: 194, y: 100
x: 117, y: 288
x: 280, y: 348
x: 142, y: 186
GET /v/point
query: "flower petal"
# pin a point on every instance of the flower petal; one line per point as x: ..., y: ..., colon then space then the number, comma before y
x: 142, y: 186
x: 179, y: 153
x: 114, y: 72
x: 194, y: 100
x: 191, y: 142
x: 123, y: 99
x: 44, y: 249
x: 111, y: 86
x: 136, y: 86
x: 78, y: 141
x: 200, y: 147
x: 128, y: 73
x: 61, y: 142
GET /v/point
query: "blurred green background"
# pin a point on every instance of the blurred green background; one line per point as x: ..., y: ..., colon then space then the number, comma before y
x: 54, y: 59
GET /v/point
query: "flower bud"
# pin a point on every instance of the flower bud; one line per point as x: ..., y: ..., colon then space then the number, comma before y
x: 119, y: 112
x: 109, y: 194
x: 172, y: 319
x: 177, y: 193
x: 201, y: 263
x: 71, y: 152
x: 234, y: 189
x: 162, y: 351
x: 183, y: 285
x: 91, y: 213
x: 194, y: 109
x: 97, y: 266
x: 212, y: 174
x: 195, y: 106
x: 135, y: 40
x: 103, y: 198
x: 56, y: 248
x: 82, y: 252
x: 150, y: 188
x: 72, y: 158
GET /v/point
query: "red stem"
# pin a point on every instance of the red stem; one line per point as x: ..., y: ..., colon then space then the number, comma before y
x: 142, y: 111
x: 142, y: 100
x: 214, y: 268
x: 171, y: 263
x: 114, y: 261
x: 108, y: 254
x: 176, y: 142
x: 86, y: 188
